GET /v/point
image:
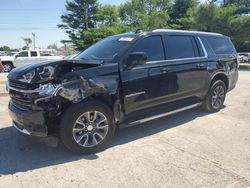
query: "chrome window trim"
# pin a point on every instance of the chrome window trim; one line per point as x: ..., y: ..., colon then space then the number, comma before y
x: 203, y: 47
x: 174, y: 61
x: 183, y: 59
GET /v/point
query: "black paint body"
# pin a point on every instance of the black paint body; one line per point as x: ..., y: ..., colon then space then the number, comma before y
x: 140, y: 90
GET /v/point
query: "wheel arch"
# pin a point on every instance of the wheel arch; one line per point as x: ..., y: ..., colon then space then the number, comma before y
x: 220, y: 76
x: 10, y: 62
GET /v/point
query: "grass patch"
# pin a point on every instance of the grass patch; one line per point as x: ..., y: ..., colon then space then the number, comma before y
x: 244, y: 67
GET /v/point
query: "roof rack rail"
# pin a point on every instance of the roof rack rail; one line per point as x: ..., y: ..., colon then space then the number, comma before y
x: 139, y: 31
x: 185, y: 31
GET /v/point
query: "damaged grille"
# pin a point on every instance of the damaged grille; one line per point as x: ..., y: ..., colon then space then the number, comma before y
x: 20, y: 99
x: 21, y: 103
x: 18, y: 85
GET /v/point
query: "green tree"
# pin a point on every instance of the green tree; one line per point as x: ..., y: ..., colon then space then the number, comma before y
x: 27, y: 42
x: 225, y: 20
x: 107, y: 15
x: 80, y: 15
x: 5, y: 48
x: 147, y: 14
x: 179, y: 10
x: 94, y: 35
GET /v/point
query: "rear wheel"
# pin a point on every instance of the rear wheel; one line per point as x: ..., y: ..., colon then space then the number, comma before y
x: 87, y: 127
x: 7, y: 67
x: 215, y: 97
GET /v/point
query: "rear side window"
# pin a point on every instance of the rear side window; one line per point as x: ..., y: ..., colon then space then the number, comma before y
x: 181, y: 47
x: 33, y: 53
x: 221, y: 45
x: 152, y: 46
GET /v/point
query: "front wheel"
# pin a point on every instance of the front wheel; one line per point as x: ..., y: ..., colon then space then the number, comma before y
x: 215, y: 97
x: 87, y: 127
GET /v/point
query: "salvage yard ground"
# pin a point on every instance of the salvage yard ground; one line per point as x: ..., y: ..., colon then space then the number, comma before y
x: 189, y: 149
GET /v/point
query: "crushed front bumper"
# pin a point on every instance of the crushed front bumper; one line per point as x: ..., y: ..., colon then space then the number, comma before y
x: 28, y: 122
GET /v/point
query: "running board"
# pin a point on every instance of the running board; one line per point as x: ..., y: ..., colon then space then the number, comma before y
x: 160, y: 115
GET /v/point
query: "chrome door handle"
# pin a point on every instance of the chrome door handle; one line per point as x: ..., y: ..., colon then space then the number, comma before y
x: 200, y: 65
x: 165, y: 69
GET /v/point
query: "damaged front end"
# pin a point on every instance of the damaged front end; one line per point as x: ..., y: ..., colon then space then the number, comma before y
x: 40, y: 94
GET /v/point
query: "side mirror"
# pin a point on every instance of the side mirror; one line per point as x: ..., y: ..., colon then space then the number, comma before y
x: 136, y: 58
x: 16, y: 56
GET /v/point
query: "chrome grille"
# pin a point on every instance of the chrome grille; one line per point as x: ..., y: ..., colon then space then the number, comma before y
x: 18, y: 85
x: 20, y: 99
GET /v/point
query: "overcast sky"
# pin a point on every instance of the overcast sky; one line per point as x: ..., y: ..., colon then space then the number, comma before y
x: 19, y: 18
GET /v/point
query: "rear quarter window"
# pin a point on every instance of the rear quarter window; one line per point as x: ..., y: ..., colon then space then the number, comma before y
x: 220, y: 45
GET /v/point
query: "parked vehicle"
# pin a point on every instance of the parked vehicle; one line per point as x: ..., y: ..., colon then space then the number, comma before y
x: 244, y: 57
x: 26, y: 57
x: 1, y: 67
x: 121, y: 81
x: 7, y: 61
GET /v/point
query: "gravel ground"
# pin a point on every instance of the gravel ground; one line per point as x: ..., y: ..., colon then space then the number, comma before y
x: 189, y: 149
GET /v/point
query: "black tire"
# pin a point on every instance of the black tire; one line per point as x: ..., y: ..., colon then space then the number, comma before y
x: 69, y: 121
x: 7, y: 67
x: 210, y: 99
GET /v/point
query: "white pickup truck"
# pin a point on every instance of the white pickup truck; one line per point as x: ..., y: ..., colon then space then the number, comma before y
x: 26, y: 57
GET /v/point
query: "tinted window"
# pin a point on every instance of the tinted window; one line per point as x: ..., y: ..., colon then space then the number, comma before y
x: 23, y: 54
x: 107, y: 49
x: 221, y: 45
x: 33, y: 54
x: 180, y: 47
x: 152, y: 46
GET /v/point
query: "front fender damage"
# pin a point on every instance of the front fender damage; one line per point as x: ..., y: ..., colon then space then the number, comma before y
x: 79, y: 89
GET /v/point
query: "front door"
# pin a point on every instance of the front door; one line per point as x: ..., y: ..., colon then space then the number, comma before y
x: 136, y: 83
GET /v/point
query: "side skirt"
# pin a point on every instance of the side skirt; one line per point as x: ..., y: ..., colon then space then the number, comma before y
x: 137, y: 122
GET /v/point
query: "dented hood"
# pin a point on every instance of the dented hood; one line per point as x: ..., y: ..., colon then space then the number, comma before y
x: 40, y: 72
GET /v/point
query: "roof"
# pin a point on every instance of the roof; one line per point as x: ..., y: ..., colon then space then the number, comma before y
x: 185, y: 31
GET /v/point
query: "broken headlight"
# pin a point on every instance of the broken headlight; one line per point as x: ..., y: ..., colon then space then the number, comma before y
x: 28, y: 77
x: 47, y: 89
x: 46, y: 72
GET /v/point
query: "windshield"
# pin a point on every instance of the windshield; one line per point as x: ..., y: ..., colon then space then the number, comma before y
x: 106, y: 49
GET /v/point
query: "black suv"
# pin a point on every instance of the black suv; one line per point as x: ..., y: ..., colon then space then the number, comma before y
x: 121, y: 81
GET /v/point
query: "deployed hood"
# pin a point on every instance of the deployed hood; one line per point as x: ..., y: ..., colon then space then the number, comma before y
x: 45, y: 71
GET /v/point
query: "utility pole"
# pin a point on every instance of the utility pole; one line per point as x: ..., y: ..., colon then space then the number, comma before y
x: 34, y: 40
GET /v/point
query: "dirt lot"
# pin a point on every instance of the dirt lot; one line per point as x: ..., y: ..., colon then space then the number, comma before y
x: 189, y: 149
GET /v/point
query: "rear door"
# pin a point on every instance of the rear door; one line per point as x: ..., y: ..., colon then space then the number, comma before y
x: 187, y: 61
x: 184, y: 72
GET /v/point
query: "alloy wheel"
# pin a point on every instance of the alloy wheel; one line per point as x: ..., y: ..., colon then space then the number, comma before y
x: 90, y: 129
x: 218, y: 97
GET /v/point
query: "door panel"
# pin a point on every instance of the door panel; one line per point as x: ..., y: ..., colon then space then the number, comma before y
x: 163, y: 81
x: 178, y: 80
x: 135, y: 83
x: 135, y: 87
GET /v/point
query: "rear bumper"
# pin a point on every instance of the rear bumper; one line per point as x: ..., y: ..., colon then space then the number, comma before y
x: 28, y: 122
